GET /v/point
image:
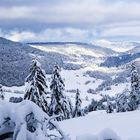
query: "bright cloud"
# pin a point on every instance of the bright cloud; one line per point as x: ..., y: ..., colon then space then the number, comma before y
x: 66, y: 34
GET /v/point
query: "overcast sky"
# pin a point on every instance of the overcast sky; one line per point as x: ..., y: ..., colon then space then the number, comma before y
x: 70, y: 20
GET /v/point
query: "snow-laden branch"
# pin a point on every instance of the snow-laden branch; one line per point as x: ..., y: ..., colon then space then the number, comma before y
x: 27, y: 121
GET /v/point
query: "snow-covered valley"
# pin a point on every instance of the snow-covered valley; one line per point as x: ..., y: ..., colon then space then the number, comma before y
x: 100, y: 75
x: 75, y: 79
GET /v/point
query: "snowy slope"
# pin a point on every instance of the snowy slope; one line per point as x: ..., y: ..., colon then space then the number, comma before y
x: 116, y: 46
x: 125, y: 125
x: 74, y: 49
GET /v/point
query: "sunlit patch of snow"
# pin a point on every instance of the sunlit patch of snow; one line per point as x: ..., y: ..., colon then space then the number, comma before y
x: 69, y: 50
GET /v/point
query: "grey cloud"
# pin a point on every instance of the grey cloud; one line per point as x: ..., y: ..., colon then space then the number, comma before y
x: 87, y: 19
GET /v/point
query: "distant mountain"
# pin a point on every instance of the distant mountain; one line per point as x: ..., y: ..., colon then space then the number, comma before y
x: 96, y: 51
x: 15, y: 60
x: 128, y: 51
x: 117, y: 46
x: 134, y: 50
x: 116, y: 61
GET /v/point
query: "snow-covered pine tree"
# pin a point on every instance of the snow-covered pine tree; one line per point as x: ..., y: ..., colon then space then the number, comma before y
x: 36, y: 86
x: 1, y: 93
x: 109, y: 108
x: 78, y: 102
x: 122, y: 101
x: 135, y: 89
x: 93, y: 106
x: 71, y: 109
x: 60, y: 104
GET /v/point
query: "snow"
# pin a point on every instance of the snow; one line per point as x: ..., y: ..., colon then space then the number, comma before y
x: 116, y: 46
x: 103, y: 135
x: 95, y: 126
x: 70, y: 50
x: 17, y: 115
x: 124, y: 125
x: 14, y: 89
x: 116, y: 89
x: 74, y: 79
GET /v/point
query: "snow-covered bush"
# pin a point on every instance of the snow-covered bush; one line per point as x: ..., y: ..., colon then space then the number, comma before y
x: 108, y: 134
x: 93, y: 105
x: 96, y: 105
x: 92, y: 91
x: 26, y: 121
x: 107, y: 103
x: 109, y: 107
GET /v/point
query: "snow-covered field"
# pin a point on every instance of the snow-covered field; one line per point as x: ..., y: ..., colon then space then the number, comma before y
x: 125, y: 125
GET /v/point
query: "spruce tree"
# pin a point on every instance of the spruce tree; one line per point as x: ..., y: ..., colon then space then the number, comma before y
x: 135, y: 91
x: 36, y: 86
x: 109, y: 108
x: 122, y: 101
x: 60, y: 104
x: 1, y: 93
x: 78, y: 102
x: 93, y: 106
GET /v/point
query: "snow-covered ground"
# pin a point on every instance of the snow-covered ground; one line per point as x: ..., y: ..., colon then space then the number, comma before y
x: 116, y: 46
x: 116, y: 89
x: 125, y: 125
x: 97, y: 125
